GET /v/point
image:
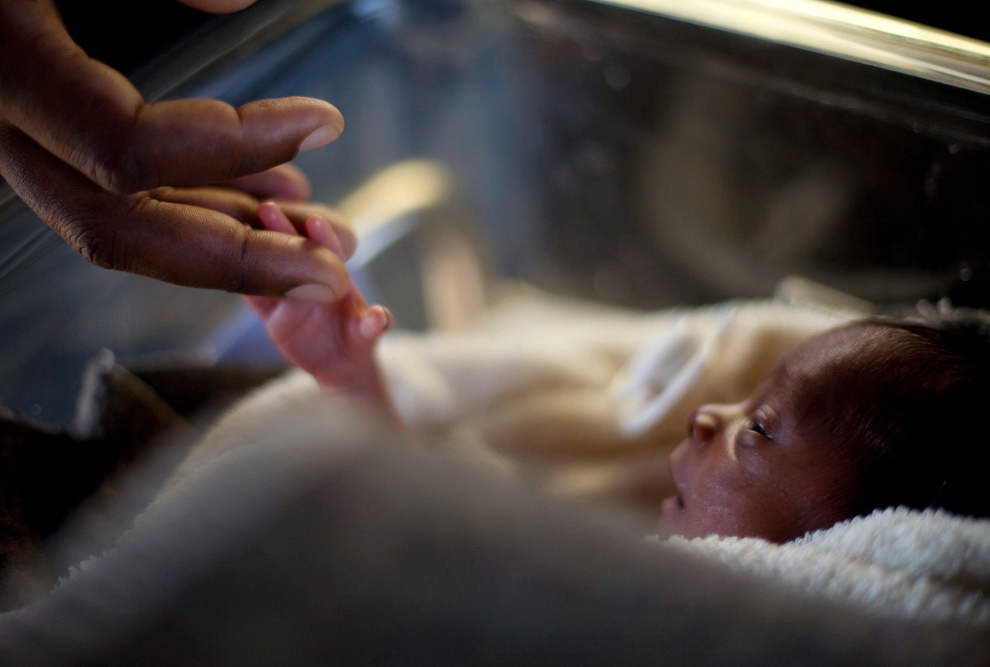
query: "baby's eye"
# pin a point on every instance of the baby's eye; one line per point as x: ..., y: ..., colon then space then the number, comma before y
x: 757, y: 427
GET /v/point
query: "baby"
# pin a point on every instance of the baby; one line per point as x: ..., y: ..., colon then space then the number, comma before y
x: 869, y: 415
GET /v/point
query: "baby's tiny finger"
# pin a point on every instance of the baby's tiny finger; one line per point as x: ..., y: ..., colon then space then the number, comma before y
x: 323, y: 233
x: 298, y: 212
x: 274, y: 219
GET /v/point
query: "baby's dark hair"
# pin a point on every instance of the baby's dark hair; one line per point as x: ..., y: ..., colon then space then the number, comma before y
x: 928, y: 430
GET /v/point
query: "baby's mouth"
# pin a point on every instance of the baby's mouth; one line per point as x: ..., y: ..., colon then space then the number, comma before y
x: 671, y: 505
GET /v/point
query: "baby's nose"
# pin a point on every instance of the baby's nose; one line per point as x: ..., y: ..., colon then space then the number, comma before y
x: 703, y: 426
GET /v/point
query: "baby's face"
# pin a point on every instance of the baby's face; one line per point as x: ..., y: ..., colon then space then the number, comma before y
x: 786, y: 460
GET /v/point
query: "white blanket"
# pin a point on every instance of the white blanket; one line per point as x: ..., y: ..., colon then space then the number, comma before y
x: 900, y: 563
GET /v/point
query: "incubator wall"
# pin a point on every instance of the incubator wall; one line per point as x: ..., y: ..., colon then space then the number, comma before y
x: 643, y: 154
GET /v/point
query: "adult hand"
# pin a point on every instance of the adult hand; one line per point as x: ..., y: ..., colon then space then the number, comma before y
x: 82, y: 148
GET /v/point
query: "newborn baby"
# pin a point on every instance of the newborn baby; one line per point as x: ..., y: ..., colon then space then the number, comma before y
x: 873, y: 414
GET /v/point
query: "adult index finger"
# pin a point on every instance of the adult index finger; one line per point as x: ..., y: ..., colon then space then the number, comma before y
x: 91, y: 117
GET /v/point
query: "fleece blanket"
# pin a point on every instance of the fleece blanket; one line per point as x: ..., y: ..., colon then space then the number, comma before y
x: 927, y: 566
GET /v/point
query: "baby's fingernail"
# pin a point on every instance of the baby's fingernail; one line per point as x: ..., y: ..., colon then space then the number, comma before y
x: 370, y: 325
x: 313, y: 292
x: 321, y: 136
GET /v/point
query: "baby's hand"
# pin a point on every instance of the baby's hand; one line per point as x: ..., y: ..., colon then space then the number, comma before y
x: 334, y: 342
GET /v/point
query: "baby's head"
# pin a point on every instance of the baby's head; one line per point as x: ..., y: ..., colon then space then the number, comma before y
x: 873, y: 414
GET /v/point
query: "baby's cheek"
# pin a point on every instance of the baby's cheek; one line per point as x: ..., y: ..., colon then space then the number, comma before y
x: 721, y: 511
x: 732, y: 505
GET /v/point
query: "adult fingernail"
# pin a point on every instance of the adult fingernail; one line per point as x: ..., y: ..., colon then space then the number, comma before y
x: 313, y: 292
x: 321, y: 136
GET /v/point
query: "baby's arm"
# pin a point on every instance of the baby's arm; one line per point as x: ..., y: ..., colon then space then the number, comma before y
x: 333, y: 342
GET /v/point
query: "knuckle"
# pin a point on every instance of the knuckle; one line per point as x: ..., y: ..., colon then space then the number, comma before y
x: 116, y: 168
x: 104, y: 243
x: 250, y: 158
x: 96, y: 245
x: 245, y: 246
x: 238, y: 277
x: 118, y: 159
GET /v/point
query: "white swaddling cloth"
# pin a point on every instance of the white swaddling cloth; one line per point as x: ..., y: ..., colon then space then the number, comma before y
x: 660, y: 374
